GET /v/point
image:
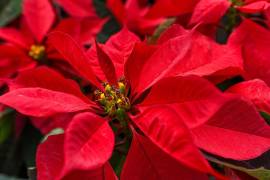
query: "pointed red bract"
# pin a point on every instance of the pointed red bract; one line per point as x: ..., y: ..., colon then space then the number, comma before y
x: 13, y: 60
x: 49, y: 157
x: 134, y: 64
x: 78, y: 8
x: 89, y: 143
x: 74, y: 54
x: 171, y: 8
x: 106, y: 65
x: 180, y: 90
x: 144, y: 157
x: 209, y: 11
x: 166, y: 130
x: 234, y: 131
x: 118, y: 9
x: 39, y: 16
x: 254, y: 7
x: 50, y: 162
x: 83, y: 30
x: 254, y: 41
x: 255, y: 90
x: 42, y: 102
x: 190, y: 54
x: 118, y: 48
x: 14, y: 36
x: 44, y: 77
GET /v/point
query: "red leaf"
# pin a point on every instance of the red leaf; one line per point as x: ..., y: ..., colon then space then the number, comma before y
x: 119, y: 48
x: 50, y: 161
x: 44, y: 77
x: 49, y: 157
x: 15, y: 37
x: 118, y: 9
x: 144, y: 157
x: 181, y: 90
x: 255, y: 90
x: 74, y: 54
x: 106, y: 65
x: 13, y: 60
x: 83, y: 30
x: 172, y: 32
x: 254, y: 41
x: 191, y: 53
x: 39, y: 16
x: 209, y: 11
x: 255, y: 7
x: 78, y: 8
x: 89, y: 143
x: 165, y: 129
x: 133, y: 66
x: 235, y: 131
x: 42, y: 102
x: 165, y: 8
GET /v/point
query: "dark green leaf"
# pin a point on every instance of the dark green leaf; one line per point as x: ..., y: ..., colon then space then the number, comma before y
x: 260, y: 173
x: 266, y: 116
x: 108, y: 29
x: 9, y: 10
x: 6, y: 124
x: 101, y: 9
x: 30, y: 139
x: 4, y: 177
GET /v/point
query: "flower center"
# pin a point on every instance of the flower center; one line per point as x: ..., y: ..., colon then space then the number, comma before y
x: 114, y: 100
x: 37, y: 52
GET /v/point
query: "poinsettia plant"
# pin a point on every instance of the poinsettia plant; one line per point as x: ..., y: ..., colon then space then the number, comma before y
x: 135, y: 89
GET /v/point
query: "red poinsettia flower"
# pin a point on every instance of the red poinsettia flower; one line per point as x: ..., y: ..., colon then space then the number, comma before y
x: 166, y: 114
x: 30, y: 40
x: 113, y: 101
x: 143, y: 17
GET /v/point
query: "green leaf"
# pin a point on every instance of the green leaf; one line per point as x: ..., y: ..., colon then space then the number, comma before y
x: 266, y: 116
x: 55, y: 131
x: 160, y: 29
x: 101, y: 9
x: 259, y: 173
x: 6, y: 124
x: 9, y: 10
x: 30, y: 139
x: 4, y: 177
x: 110, y: 28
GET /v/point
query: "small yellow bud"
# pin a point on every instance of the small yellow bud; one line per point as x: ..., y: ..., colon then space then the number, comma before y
x: 119, y: 101
x: 108, y: 88
x: 37, y: 51
x: 102, y: 96
x: 122, y: 87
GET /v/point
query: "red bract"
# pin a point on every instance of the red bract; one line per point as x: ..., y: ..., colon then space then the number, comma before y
x: 142, y: 17
x: 156, y: 109
x: 78, y: 8
x: 30, y: 39
x: 253, y: 39
x: 256, y: 90
x: 211, y: 11
x: 50, y: 162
